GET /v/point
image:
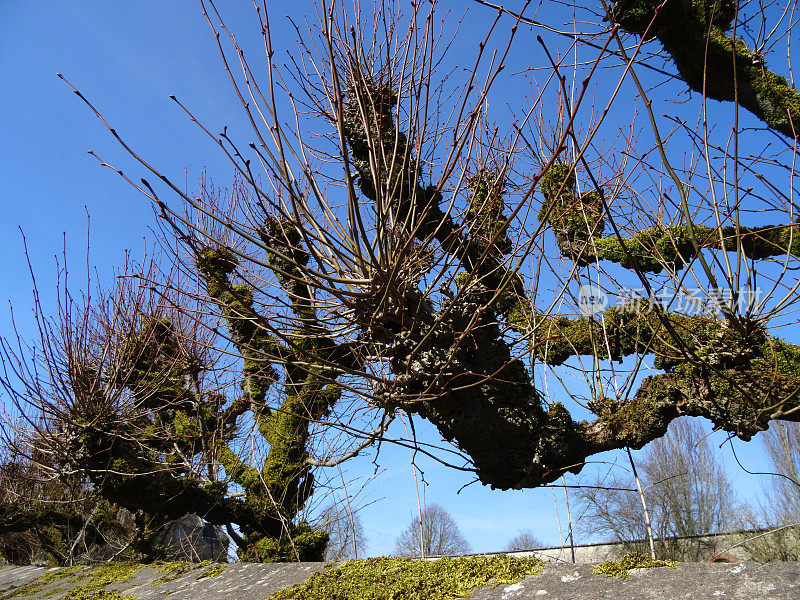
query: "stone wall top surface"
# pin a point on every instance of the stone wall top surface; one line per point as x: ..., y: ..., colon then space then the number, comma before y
x: 242, y: 581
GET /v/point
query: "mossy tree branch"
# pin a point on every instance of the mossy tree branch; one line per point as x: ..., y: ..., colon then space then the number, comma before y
x: 739, y: 382
x: 472, y: 389
x: 578, y: 222
x: 388, y: 176
x: 447, y: 350
x: 694, y: 33
x: 278, y: 490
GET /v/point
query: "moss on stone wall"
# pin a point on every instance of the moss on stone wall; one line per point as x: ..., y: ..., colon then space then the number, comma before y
x: 212, y: 572
x: 92, y: 582
x: 80, y: 583
x: 633, y: 560
x: 409, y: 579
x: 174, y: 570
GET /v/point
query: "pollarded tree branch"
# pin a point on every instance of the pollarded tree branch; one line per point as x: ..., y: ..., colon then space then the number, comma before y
x: 258, y: 347
x: 278, y: 490
x: 740, y: 395
x: 453, y: 367
x: 720, y: 66
x: 738, y: 382
x: 578, y: 223
x: 375, y: 139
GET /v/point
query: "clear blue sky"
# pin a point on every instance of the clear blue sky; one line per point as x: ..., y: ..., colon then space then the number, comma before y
x: 128, y: 57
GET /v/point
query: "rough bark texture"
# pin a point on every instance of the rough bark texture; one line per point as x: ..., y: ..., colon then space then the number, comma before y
x: 578, y: 223
x: 711, y: 62
x: 454, y: 367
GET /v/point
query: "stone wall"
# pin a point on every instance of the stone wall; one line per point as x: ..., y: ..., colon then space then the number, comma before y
x: 760, y: 545
x: 241, y: 581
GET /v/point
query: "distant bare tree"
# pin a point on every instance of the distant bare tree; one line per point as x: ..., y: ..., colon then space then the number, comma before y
x: 782, y: 444
x: 440, y: 535
x: 692, y: 492
x: 686, y: 489
x: 346, y: 533
x: 524, y: 540
x: 781, y: 510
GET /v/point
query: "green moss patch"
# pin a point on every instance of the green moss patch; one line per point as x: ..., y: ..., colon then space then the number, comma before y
x: 633, y: 560
x: 409, y: 579
x: 37, y: 585
x: 173, y: 570
x: 99, y: 577
x: 91, y: 582
x: 211, y: 572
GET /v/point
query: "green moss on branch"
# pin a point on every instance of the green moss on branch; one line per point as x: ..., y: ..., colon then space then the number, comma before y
x: 709, y: 61
x: 276, y: 492
x: 577, y: 223
x: 487, y: 229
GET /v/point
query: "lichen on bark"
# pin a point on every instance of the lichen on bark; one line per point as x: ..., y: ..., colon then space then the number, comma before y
x: 711, y: 62
x: 578, y: 222
x: 453, y: 365
x: 277, y: 491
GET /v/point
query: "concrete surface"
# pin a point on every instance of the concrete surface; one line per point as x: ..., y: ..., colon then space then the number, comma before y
x: 694, y: 581
x: 690, y: 581
x: 239, y: 581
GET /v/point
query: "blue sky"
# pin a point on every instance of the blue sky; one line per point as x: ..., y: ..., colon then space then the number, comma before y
x: 128, y: 58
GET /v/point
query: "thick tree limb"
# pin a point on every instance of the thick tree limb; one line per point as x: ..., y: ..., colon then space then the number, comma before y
x: 712, y: 63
